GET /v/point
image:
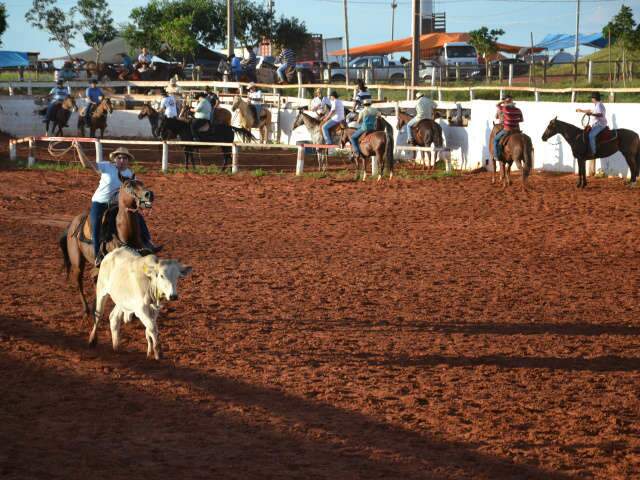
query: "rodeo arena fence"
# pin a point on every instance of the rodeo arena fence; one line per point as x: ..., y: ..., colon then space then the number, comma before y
x: 465, y: 148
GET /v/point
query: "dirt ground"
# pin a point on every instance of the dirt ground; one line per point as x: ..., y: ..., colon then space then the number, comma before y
x: 333, y: 330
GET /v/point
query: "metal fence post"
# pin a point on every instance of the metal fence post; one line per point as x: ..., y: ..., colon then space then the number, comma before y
x: 99, y: 154
x: 165, y: 157
x: 234, y: 159
x: 300, y: 160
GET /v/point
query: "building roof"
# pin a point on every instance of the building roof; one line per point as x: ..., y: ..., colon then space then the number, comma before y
x: 13, y: 59
x: 429, y: 43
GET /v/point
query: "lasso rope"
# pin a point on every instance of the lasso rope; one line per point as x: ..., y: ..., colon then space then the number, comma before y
x: 61, y: 152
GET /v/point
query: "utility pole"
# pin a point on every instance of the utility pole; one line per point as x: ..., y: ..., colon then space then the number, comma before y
x: 575, y: 60
x: 415, y: 45
x: 229, y: 27
x: 270, y: 7
x: 394, y: 5
x: 346, y: 42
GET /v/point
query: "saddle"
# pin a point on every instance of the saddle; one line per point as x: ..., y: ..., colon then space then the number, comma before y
x: 108, y: 230
x: 604, y: 136
x: 252, y: 107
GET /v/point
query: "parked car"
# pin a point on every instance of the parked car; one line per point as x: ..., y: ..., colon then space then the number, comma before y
x: 520, y: 67
x: 381, y: 67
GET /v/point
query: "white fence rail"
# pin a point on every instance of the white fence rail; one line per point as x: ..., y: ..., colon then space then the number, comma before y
x: 235, y: 149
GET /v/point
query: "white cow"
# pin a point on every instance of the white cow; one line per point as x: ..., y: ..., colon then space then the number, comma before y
x: 137, y: 285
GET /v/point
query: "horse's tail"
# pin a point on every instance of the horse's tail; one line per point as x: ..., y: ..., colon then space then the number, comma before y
x: 62, y: 241
x: 438, y: 140
x: 528, y: 157
x: 244, y: 134
x: 389, y: 145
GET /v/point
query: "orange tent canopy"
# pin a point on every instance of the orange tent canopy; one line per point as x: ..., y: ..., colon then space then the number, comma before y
x: 429, y: 43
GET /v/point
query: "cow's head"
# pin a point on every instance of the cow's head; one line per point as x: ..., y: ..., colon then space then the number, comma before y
x: 164, y: 275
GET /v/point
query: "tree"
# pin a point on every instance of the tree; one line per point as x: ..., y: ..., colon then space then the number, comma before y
x: 252, y: 22
x: 3, y: 20
x: 177, y: 37
x: 61, y: 26
x: 97, y: 24
x: 624, y: 32
x: 485, y: 40
x: 291, y: 33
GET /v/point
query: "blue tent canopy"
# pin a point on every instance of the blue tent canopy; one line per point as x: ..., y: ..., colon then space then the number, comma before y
x: 556, y: 41
x: 13, y: 59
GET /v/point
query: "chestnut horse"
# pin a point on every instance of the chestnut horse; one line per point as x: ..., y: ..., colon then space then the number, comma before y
x: 624, y: 141
x: 76, y: 243
x: 221, y: 116
x: 378, y: 143
x: 517, y: 147
x: 98, y: 119
x: 60, y: 115
x: 427, y: 132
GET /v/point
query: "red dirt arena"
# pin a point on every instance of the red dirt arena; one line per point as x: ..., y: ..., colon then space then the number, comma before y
x: 331, y: 329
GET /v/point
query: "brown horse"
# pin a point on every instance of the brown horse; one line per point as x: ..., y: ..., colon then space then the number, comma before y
x: 221, y: 116
x: 378, y: 143
x: 147, y: 111
x: 517, y: 147
x: 60, y: 115
x: 76, y: 243
x: 624, y: 141
x: 98, y: 119
x: 426, y: 133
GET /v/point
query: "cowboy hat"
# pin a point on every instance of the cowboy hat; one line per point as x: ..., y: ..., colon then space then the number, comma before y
x: 251, y: 85
x: 173, y: 81
x: 419, y: 94
x: 121, y: 151
x: 367, y: 101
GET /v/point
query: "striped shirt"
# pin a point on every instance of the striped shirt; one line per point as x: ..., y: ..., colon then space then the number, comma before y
x: 360, y: 96
x: 512, y: 116
x: 287, y: 57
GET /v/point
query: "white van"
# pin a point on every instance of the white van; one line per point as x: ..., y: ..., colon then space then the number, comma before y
x: 458, y: 52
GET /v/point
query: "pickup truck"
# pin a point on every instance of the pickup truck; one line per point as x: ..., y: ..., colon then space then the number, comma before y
x: 381, y: 67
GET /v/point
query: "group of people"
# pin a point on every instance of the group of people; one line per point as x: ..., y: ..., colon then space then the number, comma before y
x: 93, y: 96
x: 203, y: 112
x: 247, y: 66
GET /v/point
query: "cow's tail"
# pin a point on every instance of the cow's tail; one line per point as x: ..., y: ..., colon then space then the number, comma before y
x: 389, y: 146
x: 62, y: 241
x: 244, y: 134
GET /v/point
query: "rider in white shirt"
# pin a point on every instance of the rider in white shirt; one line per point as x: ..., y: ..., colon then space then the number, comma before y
x: 168, y: 105
x: 334, y: 117
x: 319, y: 104
x: 598, y: 120
x: 255, y: 99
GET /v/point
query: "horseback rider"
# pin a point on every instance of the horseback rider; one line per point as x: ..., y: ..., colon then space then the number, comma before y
x: 597, y: 119
x: 249, y: 64
x: 511, y: 117
x: 333, y: 118
x: 107, y: 192
x: 127, y: 63
x: 93, y: 96
x: 168, y: 106
x: 319, y: 103
x: 424, y: 110
x: 201, y: 115
x: 144, y: 60
x: 236, y: 67
x: 367, y: 120
x: 66, y: 73
x: 287, y: 59
x: 255, y: 99
x: 214, y: 101
x: 173, y: 87
x: 56, y: 95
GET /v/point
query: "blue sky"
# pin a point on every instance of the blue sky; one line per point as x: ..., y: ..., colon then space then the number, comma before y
x: 370, y: 20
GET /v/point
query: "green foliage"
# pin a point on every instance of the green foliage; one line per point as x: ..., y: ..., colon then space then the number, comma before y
x: 97, y: 25
x: 3, y: 20
x: 623, y: 29
x: 176, y: 35
x: 485, y: 40
x: 252, y: 22
x: 61, y: 26
x: 291, y: 32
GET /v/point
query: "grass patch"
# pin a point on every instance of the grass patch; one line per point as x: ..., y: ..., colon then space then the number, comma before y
x: 200, y: 170
x: 50, y: 166
x: 258, y: 172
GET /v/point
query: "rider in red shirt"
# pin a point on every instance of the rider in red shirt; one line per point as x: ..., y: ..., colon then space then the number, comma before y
x: 511, y: 118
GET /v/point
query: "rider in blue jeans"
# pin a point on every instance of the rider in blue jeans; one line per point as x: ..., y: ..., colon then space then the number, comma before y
x: 367, y: 120
x: 107, y: 193
x: 333, y: 118
x: 597, y: 120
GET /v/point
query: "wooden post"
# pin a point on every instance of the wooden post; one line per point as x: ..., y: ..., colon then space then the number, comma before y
x: 510, y: 74
x: 544, y: 70
x: 300, y: 161
x: 128, y: 89
x: 410, y: 94
x: 447, y: 161
x: 10, y: 90
x: 433, y: 76
x: 501, y: 94
x: 471, y: 94
x: 590, y: 72
x: 591, y: 168
x: 457, y: 72
x: 165, y: 157
x: 367, y: 75
x: 379, y: 93
x: 13, y: 153
x: 375, y: 168
x: 573, y: 96
x: 500, y: 70
x: 612, y: 96
x: 487, y: 66
x: 299, y: 76
x: 99, y: 154
x: 31, y: 160
x: 234, y: 159
x: 439, y: 94
x: 29, y: 88
x: 537, y: 95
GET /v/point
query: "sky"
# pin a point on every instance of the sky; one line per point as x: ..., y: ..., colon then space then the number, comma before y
x: 370, y: 20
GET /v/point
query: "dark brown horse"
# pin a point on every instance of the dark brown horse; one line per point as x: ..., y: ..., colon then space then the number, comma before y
x: 517, y: 147
x: 378, y: 143
x: 98, y: 119
x: 76, y: 243
x: 624, y: 141
x: 427, y: 132
x: 59, y: 115
x: 221, y: 116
